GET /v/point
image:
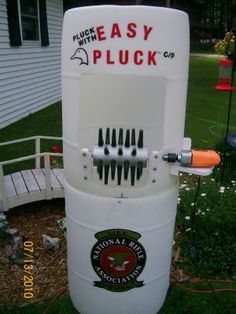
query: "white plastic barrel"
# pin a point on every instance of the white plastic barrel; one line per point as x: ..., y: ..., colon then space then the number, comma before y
x: 124, y: 83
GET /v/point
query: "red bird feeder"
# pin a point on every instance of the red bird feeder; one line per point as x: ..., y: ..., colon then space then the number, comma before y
x: 56, y: 148
x: 225, y: 75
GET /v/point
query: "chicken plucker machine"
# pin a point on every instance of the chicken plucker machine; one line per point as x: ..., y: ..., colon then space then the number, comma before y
x: 124, y: 84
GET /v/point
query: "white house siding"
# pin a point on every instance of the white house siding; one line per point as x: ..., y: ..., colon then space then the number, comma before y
x: 29, y: 75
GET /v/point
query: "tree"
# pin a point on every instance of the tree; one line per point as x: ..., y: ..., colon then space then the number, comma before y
x: 218, y: 16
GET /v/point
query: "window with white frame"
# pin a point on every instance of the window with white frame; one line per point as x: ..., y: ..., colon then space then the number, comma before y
x: 27, y: 22
x: 29, y: 19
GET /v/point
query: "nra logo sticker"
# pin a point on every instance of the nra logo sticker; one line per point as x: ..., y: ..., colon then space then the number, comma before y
x: 118, y: 259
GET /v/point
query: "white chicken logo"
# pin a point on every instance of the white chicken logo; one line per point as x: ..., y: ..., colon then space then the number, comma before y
x: 81, y: 55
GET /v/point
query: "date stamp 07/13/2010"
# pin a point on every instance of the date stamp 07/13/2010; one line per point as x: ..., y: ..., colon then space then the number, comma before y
x: 28, y: 270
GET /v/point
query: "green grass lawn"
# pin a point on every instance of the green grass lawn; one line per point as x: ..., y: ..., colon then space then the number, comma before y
x: 214, y: 249
x: 206, y: 113
x: 45, y: 122
x: 178, y: 301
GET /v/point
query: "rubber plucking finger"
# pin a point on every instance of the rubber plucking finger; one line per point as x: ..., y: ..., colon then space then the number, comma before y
x: 119, y: 174
x: 106, y: 175
x: 113, y: 138
x: 126, y: 169
x: 133, y: 141
x: 127, y: 139
x: 132, y: 169
x: 100, y: 138
x: 140, y: 139
x: 113, y: 169
x: 120, y: 140
x: 107, y: 141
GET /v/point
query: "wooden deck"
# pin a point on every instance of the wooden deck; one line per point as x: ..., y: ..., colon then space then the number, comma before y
x: 31, y: 185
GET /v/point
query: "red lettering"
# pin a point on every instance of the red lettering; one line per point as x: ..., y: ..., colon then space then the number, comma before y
x: 131, y: 30
x: 147, y: 31
x: 115, y: 31
x: 109, y: 61
x: 124, y: 56
x: 151, y: 57
x: 97, y: 54
x: 137, y: 57
x: 100, y: 33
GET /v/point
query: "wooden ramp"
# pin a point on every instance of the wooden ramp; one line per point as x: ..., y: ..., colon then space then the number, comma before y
x: 31, y: 185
